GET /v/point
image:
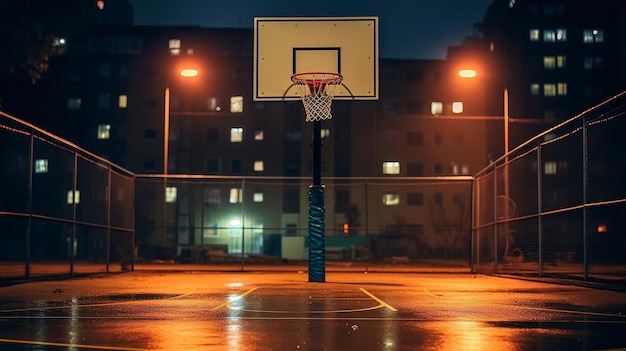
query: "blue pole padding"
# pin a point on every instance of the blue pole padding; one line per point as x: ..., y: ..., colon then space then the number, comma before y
x: 317, y: 244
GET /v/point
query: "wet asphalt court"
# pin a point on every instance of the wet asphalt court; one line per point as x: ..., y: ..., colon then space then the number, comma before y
x: 190, y: 310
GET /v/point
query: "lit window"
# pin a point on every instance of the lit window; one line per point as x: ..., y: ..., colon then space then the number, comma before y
x: 258, y: 135
x: 549, y: 35
x: 236, y: 135
x: 59, y: 42
x: 391, y: 167
x: 258, y: 166
x: 213, y: 105
x: 122, y: 101
x: 170, y: 194
x: 104, y: 131
x: 436, y: 108
x: 236, y: 104
x: 174, y: 46
x: 73, y: 103
x: 457, y: 107
x: 73, y: 197
x: 534, y: 89
x: 236, y: 196
x: 41, y: 166
x: 534, y: 35
x: 561, y: 88
x: 593, y: 36
x: 560, y: 61
x: 258, y: 196
x: 549, y: 167
x: 549, y: 89
x: 561, y: 34
x: 391, y: 199
x: 549, y: 62
x: 325, y: 133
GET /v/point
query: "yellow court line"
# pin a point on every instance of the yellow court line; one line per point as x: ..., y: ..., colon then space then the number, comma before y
x: 381, y: 302
x: 58, y: 344
x: 228, y: 303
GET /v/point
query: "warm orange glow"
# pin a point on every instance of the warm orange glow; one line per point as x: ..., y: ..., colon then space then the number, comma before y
x: 467, y: 73
x: 601, y: 228
x: 100, y: 4
x: 189, y: 72
x: 346, y: 229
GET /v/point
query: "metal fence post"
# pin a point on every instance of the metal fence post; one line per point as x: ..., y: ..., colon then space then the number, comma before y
x: 585, y: 156
x: 108, y: 238
x: 29, y: 205
x: 73, y: 241
x: 539, y: 208
x: 495, y: 218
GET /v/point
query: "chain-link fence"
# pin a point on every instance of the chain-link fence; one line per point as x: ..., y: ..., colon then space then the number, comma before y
x: 555, y: 205
x: 265, y: 219
x: 63, y: 210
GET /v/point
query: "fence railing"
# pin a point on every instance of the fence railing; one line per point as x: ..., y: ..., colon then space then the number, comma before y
x: 555, y: 205
x: 367, y: 220
x: 63, y: 210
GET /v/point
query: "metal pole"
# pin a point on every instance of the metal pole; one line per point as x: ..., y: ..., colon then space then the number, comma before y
x: 166, y: 141
x: 29, y: 206
x: 495, y: 218
x: 243, y: 224
x: 539, y: 209
x: 473, y: 231
x: 108, y: 238
x: 73, y: 241
x: 585, y: 199
x: 317, y: 250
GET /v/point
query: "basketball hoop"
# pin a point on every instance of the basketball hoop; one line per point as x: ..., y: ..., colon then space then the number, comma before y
x: 317, y: 90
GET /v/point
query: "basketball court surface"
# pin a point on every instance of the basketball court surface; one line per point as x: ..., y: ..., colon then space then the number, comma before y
x: 195, y: 310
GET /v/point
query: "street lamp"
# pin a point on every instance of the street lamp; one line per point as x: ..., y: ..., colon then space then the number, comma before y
x: 470, y: 73
x: 187, y: 72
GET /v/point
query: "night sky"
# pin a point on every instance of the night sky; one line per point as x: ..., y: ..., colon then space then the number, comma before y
x: 409, y: 29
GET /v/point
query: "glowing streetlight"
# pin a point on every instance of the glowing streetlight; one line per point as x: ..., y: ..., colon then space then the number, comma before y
x: 467, y: 73
x: 470, y: 73
x: 187, y: 72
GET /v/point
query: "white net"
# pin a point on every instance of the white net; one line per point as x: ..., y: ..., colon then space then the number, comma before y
x: 317, y: 91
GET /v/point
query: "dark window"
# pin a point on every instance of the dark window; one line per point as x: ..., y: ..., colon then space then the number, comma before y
x: 342, y: 201
x: 150, y: 133
x: 291, y: 200
x: 213, y: 134
x: 415, y: 199
x: 414, y: 169
x: 235, y: 166
x: 437, y: 138
x: 438, y: 199
x: 414, y: 77
x: 437, y: 169
x: 414, y: 138
x: 213, y: 165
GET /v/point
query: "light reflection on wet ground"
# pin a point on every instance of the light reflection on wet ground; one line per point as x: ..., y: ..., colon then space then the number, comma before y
x: 281, y: 311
